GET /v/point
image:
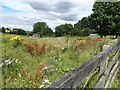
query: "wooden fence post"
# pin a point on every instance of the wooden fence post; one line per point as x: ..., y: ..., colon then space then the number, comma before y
x: 104, y: 63
x: 118, y: 40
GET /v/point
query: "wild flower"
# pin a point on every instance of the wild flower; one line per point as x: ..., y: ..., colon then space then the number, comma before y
x: 10, y: 62
x: 16, y: 60
x: 64, y: 48
x: 45, y: 68
x: 17, y: 40
x: 41, y: 86
x: 46, y: 81
x: 1, y: 65
x: 19, y: 74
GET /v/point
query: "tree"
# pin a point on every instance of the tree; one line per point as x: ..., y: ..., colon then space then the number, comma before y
x: 85, y: 32
x: 18, y: 31
x: 21, y: 32
x: 105, y: 18
x: 80, y: 25
x: 83, y: 23
x: 3, y: 29
x: 48, y: 32
x: 63, y: 30
x: 0, y: 29
x: 29, y: 33
x: 42, y: 29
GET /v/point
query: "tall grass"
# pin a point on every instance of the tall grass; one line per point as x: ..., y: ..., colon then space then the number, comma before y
x: 39, y: 62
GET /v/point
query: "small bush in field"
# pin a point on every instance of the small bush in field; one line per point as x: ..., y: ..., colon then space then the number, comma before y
x: 7, y: 31
x: 35, y: 49
x: 17, y: 40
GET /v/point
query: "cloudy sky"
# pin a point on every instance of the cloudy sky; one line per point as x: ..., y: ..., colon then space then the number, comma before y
x: 24, y: 13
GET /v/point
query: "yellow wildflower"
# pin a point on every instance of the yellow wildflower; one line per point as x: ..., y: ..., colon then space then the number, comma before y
x: 12, y: 38
x: 17, y: 38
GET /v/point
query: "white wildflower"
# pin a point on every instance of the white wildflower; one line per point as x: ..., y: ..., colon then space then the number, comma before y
x: 41, y: 86
x: 15, y: 79
x: 62, y: 48
x: 46, y: 67
x: 1, y: 65
x: 9, y: 62
x: 16, y: 60
x: 6, y: 61
x: 46, y: 81
x: 19, y: 75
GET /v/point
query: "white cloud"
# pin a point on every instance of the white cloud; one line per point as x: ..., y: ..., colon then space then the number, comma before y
x: 53, y: 12
x: 17, y: 5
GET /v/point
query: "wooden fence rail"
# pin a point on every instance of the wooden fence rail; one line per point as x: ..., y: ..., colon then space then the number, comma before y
x: 73, y: 78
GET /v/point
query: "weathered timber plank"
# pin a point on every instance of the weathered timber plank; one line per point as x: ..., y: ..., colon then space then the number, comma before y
x: 114, y: 59
x: 113, y: 78
x: 74, y: 77
x: 103, y: 64
x: 110, y: 78
x: 69, y: 77
x: 100, y: 83
x: 88, y: 70
x: 88, y: 78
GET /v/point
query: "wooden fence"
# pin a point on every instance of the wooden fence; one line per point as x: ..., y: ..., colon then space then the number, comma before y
x: 107, y: 71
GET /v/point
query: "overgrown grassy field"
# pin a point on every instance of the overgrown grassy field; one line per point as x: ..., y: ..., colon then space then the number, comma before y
x: 35, y: 63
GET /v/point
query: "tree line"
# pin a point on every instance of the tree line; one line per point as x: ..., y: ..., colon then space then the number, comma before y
x: 42, y: 29
x: 105, y: 20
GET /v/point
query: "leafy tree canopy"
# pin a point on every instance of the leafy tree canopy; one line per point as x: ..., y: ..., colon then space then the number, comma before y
x: 105, y: 18
x: 42, y: 29
x: 64, y: 29
x: 83, y: 23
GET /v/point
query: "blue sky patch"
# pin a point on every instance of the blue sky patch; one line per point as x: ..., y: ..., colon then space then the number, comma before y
x: 9, y: 10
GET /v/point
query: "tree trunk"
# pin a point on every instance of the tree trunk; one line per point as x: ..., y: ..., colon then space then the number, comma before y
x: 101, y: 36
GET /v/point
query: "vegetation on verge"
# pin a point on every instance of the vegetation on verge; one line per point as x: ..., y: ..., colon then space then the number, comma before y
x: 36, y: 62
